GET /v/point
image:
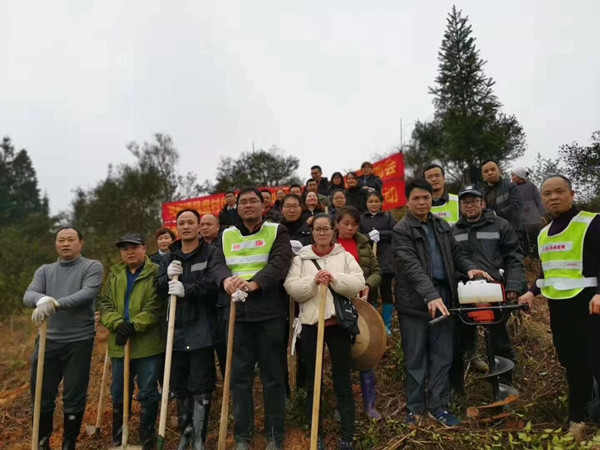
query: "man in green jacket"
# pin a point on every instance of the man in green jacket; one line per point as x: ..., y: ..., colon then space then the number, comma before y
x: 130, y: 309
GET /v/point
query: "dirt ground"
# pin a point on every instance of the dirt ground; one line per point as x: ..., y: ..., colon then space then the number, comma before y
x: 538, y: 376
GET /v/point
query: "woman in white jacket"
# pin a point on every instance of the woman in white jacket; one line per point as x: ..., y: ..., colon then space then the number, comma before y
x: 339, y: 270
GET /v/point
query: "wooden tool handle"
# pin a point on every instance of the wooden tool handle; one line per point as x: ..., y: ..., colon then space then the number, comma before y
x: 39, y: 379
x: 164, y: 402
x: 314, y: 430
x: 227, y: 381
x: 126, y: 397
x: 102, y: 399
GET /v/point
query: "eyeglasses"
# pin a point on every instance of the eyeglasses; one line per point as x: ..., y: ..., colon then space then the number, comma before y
x: 322, y: 230
x: 296, y: 206
x: 252, y: 202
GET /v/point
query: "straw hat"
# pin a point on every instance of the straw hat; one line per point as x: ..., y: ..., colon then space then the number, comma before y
x: 370, y: 343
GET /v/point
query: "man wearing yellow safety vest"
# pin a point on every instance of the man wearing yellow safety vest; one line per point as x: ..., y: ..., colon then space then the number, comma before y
x: 445, y: 205
x: 569, y: 249
x: 258, y: 255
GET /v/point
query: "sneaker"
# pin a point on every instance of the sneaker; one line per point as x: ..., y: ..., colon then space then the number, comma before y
x: 577, y: 430
x: 271, y: 445
x: 411, y: 419
x: 446, y: 418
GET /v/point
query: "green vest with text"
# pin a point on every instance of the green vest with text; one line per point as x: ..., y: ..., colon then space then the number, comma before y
x: 448, y: 211
x: 562, y: 259
x: 247, y: 255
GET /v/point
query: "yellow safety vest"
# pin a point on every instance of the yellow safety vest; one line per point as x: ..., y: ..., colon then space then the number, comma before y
x: 562, y: 259
x: 247, y: 255
x: 448, y: 211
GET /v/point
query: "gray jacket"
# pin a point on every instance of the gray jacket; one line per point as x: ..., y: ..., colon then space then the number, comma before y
x: 532, y: 204
x: 492, y: 244
x: 414, y: 287
x: 504, y: 198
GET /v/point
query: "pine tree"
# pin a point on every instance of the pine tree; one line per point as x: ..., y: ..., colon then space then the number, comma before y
x: 470, y: 126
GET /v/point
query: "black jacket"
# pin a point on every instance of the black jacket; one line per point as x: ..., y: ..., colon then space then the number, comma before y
x: 357, y: 197
x: 271, y: 300
x: 228, y: 217
x: 323, y: 186
x: 492, y: 244
x: 384, y: 223
x: 273, y: 216
x: 372, y: 181
x: 196, y: 315
x: 414, y: 287
x: 298, y: 231
x: 505, y: 199
x: 155, y: 257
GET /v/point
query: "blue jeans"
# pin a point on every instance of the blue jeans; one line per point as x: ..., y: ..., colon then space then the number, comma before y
x: 147, y: 370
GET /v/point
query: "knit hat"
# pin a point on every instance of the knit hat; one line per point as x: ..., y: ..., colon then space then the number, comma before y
x: 521, y: 172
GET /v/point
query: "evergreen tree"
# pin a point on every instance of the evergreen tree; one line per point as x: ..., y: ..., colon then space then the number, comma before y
x: 468, y: 126
x: 19, y: 192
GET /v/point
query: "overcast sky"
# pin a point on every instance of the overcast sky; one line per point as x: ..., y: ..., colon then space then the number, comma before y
x: 328, y: 81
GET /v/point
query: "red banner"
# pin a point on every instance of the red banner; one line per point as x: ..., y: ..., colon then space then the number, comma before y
x: 390, y: 170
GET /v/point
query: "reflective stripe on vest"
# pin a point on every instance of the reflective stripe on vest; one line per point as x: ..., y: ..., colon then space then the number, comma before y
x: 562, y: 259
x: 247, y: 255
x: 448, y: 211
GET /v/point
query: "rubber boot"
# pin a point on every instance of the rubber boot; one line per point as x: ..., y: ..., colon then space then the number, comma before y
x: 46, y: 425
x: 185, y: 411
x: 367, y: 385
x: 201, y: 415
x: 387, y: 313
x: 72, y: 426
x: 117, y: 424
x: 148, y: 415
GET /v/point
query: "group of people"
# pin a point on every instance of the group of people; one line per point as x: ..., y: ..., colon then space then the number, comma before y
x: 259, y: 259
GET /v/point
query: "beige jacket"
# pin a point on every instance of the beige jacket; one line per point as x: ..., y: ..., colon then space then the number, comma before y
x: 300, y: 284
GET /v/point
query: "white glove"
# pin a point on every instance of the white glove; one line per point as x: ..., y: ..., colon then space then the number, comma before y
x: 239, y: 296
x: 374, y: 235
x: 297, y: 330
x: 296, y: 246
x: 174, y: 269
x: 176, y: 288
x: 46, y: 306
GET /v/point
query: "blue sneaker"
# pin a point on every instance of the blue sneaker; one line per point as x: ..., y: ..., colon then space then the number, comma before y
x: 446, y: 418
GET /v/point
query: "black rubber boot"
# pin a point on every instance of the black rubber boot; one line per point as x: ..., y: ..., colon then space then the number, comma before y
x: 46, y: 424
x: 185, y: 413
x: 72, y: 426
x: 201, y: 415
x: 147, y: 425
x: 117, y: 424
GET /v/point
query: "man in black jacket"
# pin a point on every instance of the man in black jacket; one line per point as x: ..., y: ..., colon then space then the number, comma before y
x: 195, y: 325
x: 228, y: 215
x: 257, y: 256
x: 493, y: 245
x: 502, y: 196
x: 426, y: 256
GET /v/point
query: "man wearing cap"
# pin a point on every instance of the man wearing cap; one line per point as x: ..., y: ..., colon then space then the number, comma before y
x: 444, y: 204
x: 257, y: 256
x: 533, y: 212
x: 63, y: 293
x: 131, y: 310
x: 427, y: 259
x: 570, y: 252
x: 501, y: 196
x: 493, y: 245
x: 193, y: 365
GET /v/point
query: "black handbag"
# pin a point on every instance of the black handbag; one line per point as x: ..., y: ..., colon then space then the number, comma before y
x: 345, y: 312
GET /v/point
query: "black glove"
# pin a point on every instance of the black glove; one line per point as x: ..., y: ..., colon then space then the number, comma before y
x: 124, y: 330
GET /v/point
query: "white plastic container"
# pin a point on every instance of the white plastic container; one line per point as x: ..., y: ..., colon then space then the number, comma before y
x: 480, y: 291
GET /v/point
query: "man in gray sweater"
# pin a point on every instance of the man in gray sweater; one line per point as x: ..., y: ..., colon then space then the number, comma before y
x: 63, y: 293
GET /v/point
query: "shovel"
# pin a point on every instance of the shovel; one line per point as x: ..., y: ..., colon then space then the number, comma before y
x: 227, y: 380
x: 164, y: 402
x: 314, y: 429
x: 39, y: 377
x: 126, y: 400
x: 94, y: 431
